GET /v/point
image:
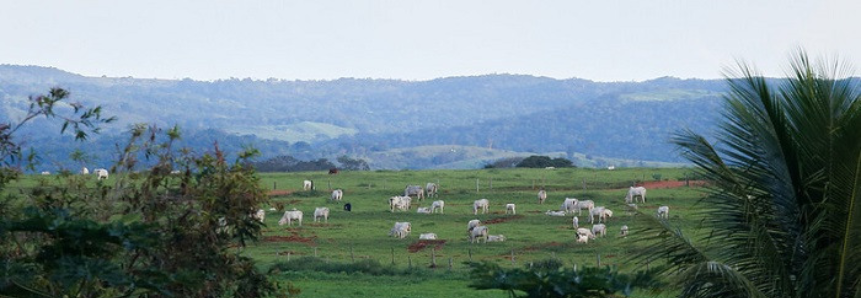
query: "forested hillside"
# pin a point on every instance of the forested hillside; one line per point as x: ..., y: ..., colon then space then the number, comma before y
x: 365, y: 117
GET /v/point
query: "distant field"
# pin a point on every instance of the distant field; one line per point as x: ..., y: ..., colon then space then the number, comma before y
x: 531, y: 235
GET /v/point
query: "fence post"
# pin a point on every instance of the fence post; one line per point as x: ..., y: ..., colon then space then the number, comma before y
x: 315, y: 252
x: 288, y: 256
x: 393, y: 255
x: 512, y: 257
x: 449, y: 264
x: 476, y: 185
x: 584, y: 183
x: 433, y: 257
x: 599, y: 259
x: 352, y: 257
x: 274, y: 185
x: 329, y: 183
x: 491, y: 184
x: 410, y: 260
x: 470, y: 255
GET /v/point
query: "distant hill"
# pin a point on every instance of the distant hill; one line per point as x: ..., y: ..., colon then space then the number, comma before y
x: 365, y: 117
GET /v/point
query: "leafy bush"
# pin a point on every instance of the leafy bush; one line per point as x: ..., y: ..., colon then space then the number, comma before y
x: 537, y: 161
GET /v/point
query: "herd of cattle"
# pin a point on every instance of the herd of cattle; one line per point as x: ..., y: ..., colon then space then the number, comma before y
x: 598, y: 216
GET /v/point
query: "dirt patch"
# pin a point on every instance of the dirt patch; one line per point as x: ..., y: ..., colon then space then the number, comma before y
x: 280, y: 192
x: 422, y: 244
x: 670, y: 184
x: 502, y: 219
x: 294, y: 237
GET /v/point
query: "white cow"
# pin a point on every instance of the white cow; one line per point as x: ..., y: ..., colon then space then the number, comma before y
x: 585, y: 204
x: 576, y: 222
x: 427, y: 236
x: 664, y: 212
x: 542, y: 195
x: 555, y: 213
x: 431, y: 189
x: 399, y: 203
x: 510, y: 208
x: 585, y: 232
x: 624, y: 231
x: 599, y: 230
x: 478, y: 233
x: 495, y: 238
x: 337, y: 195
x: 634, y: 193
x: 260, y: 215
x: 415, y: 190
x: 438, y: 205
x: 569, y: 205
x: 401, y: 229
x: 46, y: 173
x: 582, y: 239
x: 308, y: 185
x: 85, y: 171
x: 424, y: 210
x: 483, y: 204
x: 321, y: 212
x: 472, y: 224
x: 101, y: 173
x: 290, y: 216
x: 600, y: 212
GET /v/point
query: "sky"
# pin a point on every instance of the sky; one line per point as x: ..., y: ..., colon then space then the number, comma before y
x: 624, y: 40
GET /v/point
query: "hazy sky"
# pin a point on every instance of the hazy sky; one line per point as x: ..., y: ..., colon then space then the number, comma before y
x: 419, y: 40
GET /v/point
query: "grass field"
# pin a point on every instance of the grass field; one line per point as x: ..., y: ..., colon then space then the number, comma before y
x: 530, y: 235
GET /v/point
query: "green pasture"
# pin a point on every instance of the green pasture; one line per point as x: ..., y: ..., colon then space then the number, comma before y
x: 530, y: 235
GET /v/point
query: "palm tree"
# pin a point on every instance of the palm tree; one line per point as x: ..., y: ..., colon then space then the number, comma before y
x: 783, y: 208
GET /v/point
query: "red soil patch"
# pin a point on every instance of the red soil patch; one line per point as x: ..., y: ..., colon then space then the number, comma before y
x: 502, y: 219
x: 294, y: 237
x: 422, y: 244
x: 670, y: 184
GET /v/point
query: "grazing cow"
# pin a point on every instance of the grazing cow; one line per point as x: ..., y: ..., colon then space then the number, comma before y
x: 85, y: 171
x: 431, y: 189
x: 348, y: 207
x: 483, y: 204
x: 46, y: 173
x: 477, y: 234
x: 333, y: 171
x: 599, y: 230
x: 585, y: 204
x: 472, y: 224
x: 576, y: 222
x: 308, y: 185
x: 290, y: 216
x: 611, y: 168
x: 585, y: 232
x: 495, y: 238
x: 601, y: 212
x: 101, y: 173
x: 337, y: 195
x: 569, y: 205
x: 634, y: 193
x: 427, y: 236
x: 401, y: 229
x: 438, y: 205
x: 624, y: 231
x: 415, y: 190
x: 510, y: 208
x: 260, y: 215
x: 424, y: 210
x: 321, y: 212
x: 542, y: 195
x: 582, y: 239
x: 664, y: 212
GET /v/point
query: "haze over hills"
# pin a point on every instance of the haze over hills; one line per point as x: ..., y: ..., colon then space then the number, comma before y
x: 394, y: 124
